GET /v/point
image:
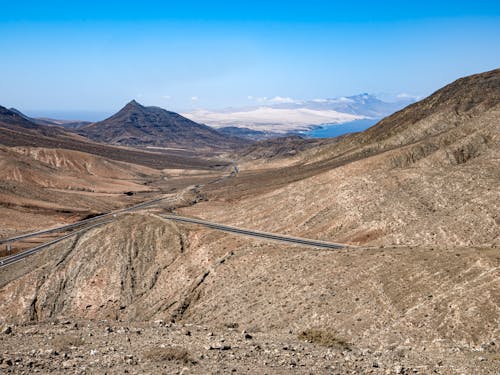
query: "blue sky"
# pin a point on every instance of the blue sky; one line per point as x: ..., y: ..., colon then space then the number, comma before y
x: 89, y: 56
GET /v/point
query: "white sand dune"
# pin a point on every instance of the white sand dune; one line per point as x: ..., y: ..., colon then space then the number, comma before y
x: 271, y: 119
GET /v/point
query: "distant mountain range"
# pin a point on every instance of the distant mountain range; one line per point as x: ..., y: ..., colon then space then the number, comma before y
x: 300, y: 115
x: 16, y: 130
x: 137, y: 125
x: 366, y: 105
x: 69, y: 124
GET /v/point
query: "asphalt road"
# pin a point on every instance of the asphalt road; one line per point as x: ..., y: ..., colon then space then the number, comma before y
x: 20, y: 256
x: 96, y: 221
x: 259, y: 234
x: 82, y: 222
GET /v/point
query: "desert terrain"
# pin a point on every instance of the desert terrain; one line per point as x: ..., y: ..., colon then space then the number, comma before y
x: 415, y: 290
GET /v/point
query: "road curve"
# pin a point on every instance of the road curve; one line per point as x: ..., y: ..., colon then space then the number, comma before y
x: 20, y: 256
x: 246, y: 232
x: 80, y: 223
x: 259, y: 234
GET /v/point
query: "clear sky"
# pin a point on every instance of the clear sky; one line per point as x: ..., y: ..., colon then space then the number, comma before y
x: 97, y: 55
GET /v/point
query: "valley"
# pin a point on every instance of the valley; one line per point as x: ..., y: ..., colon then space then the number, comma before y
x: 409, y: 282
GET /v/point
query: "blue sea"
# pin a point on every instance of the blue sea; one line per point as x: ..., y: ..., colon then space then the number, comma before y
x: 334, y: 130
x: 73, y: 115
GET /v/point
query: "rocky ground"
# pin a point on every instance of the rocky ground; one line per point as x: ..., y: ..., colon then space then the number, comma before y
x: 82, y: 347
x: 384, y: 310
x: 420, y: 293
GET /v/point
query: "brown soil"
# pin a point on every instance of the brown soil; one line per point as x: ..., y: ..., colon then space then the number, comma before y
x: 82, y: 347
x: 420, y: 294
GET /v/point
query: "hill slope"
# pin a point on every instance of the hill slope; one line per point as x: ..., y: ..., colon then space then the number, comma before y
x: 69, y: 124
x: 137, y: 125
x: 427, y: 174
x: 16, y: 130
x: 420, y: 189
x: 454, y: 119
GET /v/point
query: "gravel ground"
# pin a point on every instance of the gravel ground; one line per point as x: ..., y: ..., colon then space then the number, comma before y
x: 83, y: 347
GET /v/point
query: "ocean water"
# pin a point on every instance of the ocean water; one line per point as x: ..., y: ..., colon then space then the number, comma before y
x: 334, y: 130
x: 73, y: 115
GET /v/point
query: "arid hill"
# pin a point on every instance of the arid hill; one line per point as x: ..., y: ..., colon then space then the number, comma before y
x: 137, y: 125
x: 431, y: 177
x: 69, y: 124
x: 16, y: 130
x: 41, y: 187
x: 51, y: 176
x: 15, y: 120
x: 418, y: 195
x: 461, y: 119
x: 281, y: 147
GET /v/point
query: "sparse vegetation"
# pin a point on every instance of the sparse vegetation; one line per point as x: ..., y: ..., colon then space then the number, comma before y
x: 154, y: 296
x: 324, y: 338
x: 173, y: 353
x: 66, y: 341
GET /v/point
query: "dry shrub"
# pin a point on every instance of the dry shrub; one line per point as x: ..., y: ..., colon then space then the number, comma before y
x: 324, y: 338
x: 169, y: 354
x: 66, y: 341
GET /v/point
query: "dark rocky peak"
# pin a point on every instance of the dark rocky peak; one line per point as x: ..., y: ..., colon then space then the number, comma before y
x: 133, y: 104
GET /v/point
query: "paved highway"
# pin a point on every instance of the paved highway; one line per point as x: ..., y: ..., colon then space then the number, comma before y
x: 93, y: 223
x: 254, y: 233
x: 82, y: 222
x: 20, y: 256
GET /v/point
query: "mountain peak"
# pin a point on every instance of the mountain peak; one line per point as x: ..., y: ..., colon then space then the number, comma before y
x: 138, y: 125
x: 364, y: 96
x: 13, y: 116
x: 133, y: 104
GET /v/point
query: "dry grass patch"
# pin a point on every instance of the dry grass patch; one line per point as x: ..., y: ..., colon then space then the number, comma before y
x: 324, y: 338
x: 176, y: 354
x: 66, y: 341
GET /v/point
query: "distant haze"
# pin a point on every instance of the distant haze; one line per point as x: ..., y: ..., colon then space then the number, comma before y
x: 283, y: 115
x: 276, y: 114
x: 69, y: 114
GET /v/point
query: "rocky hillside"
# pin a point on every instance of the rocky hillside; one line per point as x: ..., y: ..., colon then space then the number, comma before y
x: 16, y: 130
x: 461, y: 100
x: 456, y: 123
x: 69, y: 124
x: 427, y: 174
x: 15, y: 120
x: 282, y: 148
x: 70, y: 170
x: 418, y: 193
x: 41, y: 187
x: 80, y: 281
x: 137, y: 125
x: 350, y: 305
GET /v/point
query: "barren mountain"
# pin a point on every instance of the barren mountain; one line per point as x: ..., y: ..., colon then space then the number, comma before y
x: 282, y: 151
x: 136, y: 125
x: 419, y: 176
x: 13, y: 119
x: 41, y: 187
x: 69, y: 124
x: 362, y: 104
x: 36, y: 121
x: 51, y: 176
x: 16, y: 130
x: 418, y: 194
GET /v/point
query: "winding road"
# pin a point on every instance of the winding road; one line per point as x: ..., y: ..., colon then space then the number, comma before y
x: 259, y: 234
x: 83, y: 222
x: 98, y: 220
x: 86, y: 224
x: 4, y: 262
